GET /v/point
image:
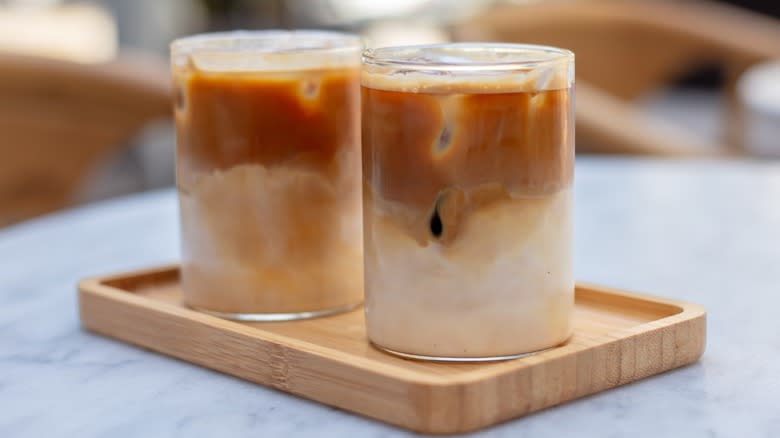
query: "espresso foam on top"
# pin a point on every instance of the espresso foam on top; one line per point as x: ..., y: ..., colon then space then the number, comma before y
x: 468, y: 68
x: 266, y: 51
x: 227, y: 62
x: 477, y: 83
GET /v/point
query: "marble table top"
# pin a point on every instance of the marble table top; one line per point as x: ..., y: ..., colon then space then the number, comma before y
x: 707, y: 232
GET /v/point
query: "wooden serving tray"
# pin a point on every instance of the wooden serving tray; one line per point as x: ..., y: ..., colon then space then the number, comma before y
x: 619, y: 337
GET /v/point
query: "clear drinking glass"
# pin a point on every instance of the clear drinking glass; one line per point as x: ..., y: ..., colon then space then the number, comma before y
x: 268, y: 172
x: 468, y: 156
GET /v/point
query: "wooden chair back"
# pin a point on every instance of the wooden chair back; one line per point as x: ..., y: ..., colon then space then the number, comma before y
x: 626, y: 48
x: 59, y: 120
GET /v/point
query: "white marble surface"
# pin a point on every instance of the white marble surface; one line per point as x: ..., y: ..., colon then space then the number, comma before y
x: 700, y: 231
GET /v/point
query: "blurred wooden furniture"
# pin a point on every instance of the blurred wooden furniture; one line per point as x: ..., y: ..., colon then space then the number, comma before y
x: 59, y: 120
x: 626, y: 48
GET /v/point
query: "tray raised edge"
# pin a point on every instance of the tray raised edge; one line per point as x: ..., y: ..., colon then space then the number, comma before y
x: 410, y: 398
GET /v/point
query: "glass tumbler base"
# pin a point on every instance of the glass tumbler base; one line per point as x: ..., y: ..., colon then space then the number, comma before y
x: 462, y: 359
x: 276, y: 317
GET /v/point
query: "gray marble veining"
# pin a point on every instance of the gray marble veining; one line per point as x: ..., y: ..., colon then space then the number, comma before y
x: 707, y: 232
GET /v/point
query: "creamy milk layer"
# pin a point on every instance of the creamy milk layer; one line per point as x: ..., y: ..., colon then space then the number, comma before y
x: 278, y: 240
x: 504, y: 286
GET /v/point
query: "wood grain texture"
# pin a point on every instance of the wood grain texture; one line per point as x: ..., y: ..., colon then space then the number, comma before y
x: 619, y: 338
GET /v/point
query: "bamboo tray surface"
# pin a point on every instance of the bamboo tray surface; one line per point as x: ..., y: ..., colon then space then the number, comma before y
x: 619, y: 337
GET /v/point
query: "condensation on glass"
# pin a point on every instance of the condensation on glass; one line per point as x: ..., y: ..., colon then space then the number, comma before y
x: 468, y: 156
x: 268, y: 172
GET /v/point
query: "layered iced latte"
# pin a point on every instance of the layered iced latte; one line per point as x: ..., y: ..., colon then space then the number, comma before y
x: 268, y: 173
x: 467, y: 168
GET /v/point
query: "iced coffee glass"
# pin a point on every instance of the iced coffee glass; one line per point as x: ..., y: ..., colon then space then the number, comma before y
x: 468, y: 155
x: 268, y: 172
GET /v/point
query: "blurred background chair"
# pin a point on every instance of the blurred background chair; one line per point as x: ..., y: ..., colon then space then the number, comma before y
x: 626, y: 49
x: 71, y: 105
x: 84, y: 87
x: 60, y: 120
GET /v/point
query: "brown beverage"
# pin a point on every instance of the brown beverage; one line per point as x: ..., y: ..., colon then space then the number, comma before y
x: 268, y: 172
x: 467, y: 201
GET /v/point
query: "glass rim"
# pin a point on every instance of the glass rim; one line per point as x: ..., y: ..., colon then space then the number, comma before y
x: 268, y: 42
x: 523, y: 56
